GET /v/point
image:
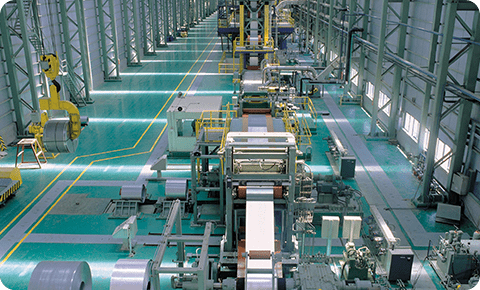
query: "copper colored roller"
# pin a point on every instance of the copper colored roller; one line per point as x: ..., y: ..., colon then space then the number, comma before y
x: 277, y: 192
x: 242, y: 192
x: 259, y: 254
x: 256, y: 110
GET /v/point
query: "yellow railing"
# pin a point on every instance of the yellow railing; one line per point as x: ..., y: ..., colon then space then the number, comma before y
x: 351, y: 98
x: 297, y: 127
x: 226, y: 67
x: 254, y: 48
x: 225, y: 23
x: 222, y: 23
x: 215, y: 124
x: 308, y: 105
x: 285, y: 16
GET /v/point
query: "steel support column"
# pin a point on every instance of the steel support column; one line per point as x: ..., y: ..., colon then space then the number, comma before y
x: 349, y: 53
x: 328, y: 43
x: 307, y: 25
x: 437, y: 15
x: 12, y: 72
x: 182, y: 13
x: 465, y: 108
x: 378, y: 71
x: 164, y: 22
x: 82, y: 39
x: 132, y: 32
x: 362, y: 58
x: 148, y: 27
x: 76, y: 50
x: 174, y: 20
x: 442, y: 70
x: 28, y: 53
x: 397, y: 76
x: 108, y: 38
x: 316, y: 34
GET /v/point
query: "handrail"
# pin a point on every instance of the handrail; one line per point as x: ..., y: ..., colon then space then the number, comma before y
x: 298, y: 128
x: 308, y: 105
x: 209, y: 122
x: 254, y: 48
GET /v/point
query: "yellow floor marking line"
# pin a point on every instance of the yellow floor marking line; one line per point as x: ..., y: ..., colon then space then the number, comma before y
x: 28, y: 205
x: 163, y: 107
x: 68, y: 189
x: 111, y: 151
x: 91, y: 163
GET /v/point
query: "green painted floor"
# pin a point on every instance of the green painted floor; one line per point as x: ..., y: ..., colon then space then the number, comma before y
x: 127, y: 121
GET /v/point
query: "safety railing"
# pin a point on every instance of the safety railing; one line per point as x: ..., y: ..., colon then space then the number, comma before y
x: 298, y: 127
x: 351, y: 99
x: 215, y: 124
x: 285, y: 16
x: 222, y: 23
x: 225, y: 22
x: 257, y: 48
x: 308, y: 105
x: 227, y: 67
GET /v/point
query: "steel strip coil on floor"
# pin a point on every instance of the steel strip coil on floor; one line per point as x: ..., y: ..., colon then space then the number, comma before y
x: 56, y: 138
x: 61, y: 275
x: 131, y: 275
x: 134, y: 192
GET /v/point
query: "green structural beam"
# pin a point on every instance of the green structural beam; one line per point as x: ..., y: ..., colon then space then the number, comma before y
x: 28, y: 52
x: 379, y: 67
x: 316, y: 36
x: 397, y: 75
x: 108, y: 38
x: 12, y: 72
x: 76, y: 51
x: 147, y: 9
x: 362, y: 58
x: 465, y: 108
x: 437, y: 14
x: 329, y: 41
x: 439, y: 93
x: 132, y: 32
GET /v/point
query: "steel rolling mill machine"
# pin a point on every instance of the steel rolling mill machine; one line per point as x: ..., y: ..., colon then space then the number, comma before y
x: 248, y: 160
x: 250, y: 179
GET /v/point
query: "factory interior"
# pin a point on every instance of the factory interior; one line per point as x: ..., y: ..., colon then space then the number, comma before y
x: 239, y: 144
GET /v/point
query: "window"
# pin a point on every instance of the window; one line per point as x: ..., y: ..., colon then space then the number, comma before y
x: 425, y: 139
x: 411, y: 126
x: 382, y: 100
x: 333, y: 55
x: 354, y: 76
x: 370, y: 90
x: 442, y: 150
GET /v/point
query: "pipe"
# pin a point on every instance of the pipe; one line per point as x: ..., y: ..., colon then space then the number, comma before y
x: 268, y: 71
x: 286, y: 3
x: 349, y: 51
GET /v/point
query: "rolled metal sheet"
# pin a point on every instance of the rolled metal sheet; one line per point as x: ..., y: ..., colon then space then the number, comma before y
x: 131, y: 274
x: 135, y: 192
x: 260, y: 236
x: 61, y: 275
x: 56, y: 138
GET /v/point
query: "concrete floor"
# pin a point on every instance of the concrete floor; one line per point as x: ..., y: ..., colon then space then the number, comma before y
x: 127, y: 133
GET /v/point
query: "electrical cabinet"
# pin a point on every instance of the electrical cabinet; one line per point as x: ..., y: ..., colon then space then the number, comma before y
x: 399, y: 264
